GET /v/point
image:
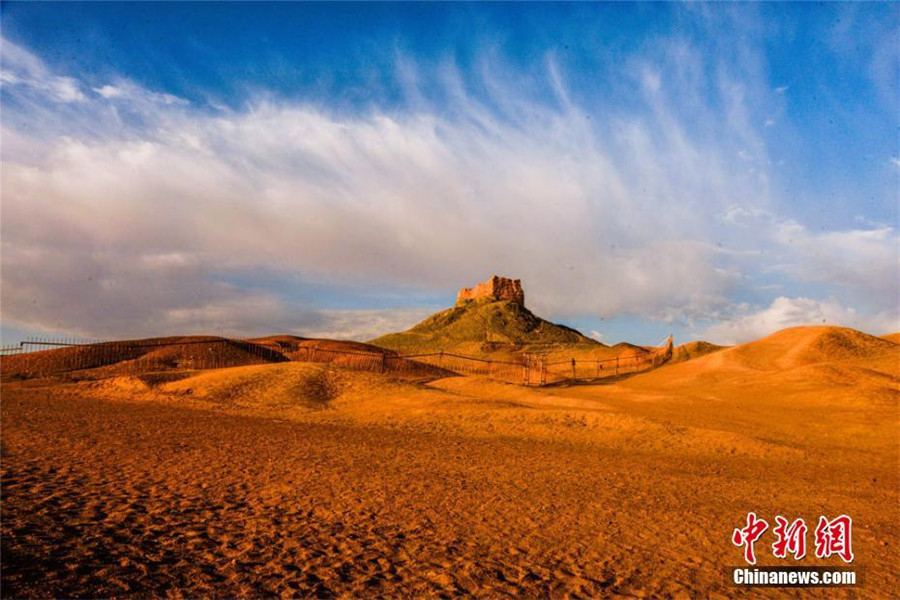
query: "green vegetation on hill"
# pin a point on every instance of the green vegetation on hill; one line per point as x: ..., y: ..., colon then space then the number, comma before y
x: 480, y: 327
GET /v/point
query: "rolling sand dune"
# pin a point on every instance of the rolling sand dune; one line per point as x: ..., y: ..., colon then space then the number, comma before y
x: 154, y: 353
x: 188, y: 352
x: 799, y: 346
x: 297, y: 479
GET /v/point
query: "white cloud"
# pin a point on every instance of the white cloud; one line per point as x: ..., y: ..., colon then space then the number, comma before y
x: 126, y: 213
x: 126, y: 91
x: 363, y: 324
x: 22, y: 69
x: 109, y: 91
x: 865, y: 263
x: 393, y: 198
x: 744, y: 215
x: 114, y: 295
x: 791, y: 312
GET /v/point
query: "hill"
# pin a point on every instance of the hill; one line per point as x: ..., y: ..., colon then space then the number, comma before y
x: 146, y: 354
x: 488, y: 319
x: 185, y: 353
x: 801, y: 346
x: 692, y: 350
x: 484, y: 326
x: 892, y: 337
x: 819, y: 360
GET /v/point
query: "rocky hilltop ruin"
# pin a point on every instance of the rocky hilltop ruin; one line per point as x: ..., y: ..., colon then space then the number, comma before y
x: 487, y: 318
x: 494, y: 289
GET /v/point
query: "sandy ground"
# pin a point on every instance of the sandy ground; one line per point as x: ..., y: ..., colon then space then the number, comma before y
x: 307, y: 480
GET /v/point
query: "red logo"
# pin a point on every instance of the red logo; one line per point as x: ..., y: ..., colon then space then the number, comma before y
x: 791, y: 538
x: 831, y: 537
x: 747, y: 536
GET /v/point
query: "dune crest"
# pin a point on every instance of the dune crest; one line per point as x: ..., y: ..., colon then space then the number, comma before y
x: 795, y: 347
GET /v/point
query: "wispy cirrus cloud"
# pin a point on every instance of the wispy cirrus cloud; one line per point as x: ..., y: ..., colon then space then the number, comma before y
x: 21, y: 69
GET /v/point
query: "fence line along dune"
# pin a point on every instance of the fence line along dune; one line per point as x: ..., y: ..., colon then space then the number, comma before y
x: 207, y: 352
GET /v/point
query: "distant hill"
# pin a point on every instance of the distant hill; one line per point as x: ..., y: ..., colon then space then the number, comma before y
x: 693, y: 350
x: 156, y: 353
x: 892, y: 337
x: 182, y: 353
x: 482, y: 326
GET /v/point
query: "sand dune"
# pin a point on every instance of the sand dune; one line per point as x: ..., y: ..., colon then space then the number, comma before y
x: 799, y: 346
x: 788, y: 349
x: 817, y: 365
x: 180, y: 353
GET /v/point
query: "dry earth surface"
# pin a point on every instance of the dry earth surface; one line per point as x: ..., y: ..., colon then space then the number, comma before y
x: 297, y: 479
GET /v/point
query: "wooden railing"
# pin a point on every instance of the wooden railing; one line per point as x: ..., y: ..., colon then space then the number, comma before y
x: 129, y: 357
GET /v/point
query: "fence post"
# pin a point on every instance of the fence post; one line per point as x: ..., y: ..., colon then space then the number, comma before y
x: 573, y: 368
x: 543, y: 372
x: 383, y: 362
x: 617, y: 365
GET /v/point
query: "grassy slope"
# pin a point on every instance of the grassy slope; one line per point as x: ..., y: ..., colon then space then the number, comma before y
x: 485, y: 327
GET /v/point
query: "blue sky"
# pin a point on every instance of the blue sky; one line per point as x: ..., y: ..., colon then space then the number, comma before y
x: 717, y: 170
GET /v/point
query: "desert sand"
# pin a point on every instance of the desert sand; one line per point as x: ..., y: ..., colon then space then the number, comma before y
x: 298, y: 479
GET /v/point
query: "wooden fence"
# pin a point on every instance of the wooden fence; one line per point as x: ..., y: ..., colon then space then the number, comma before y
x: 132, y: 357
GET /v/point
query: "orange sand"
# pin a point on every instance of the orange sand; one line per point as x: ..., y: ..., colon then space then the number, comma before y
x: 297, y: 479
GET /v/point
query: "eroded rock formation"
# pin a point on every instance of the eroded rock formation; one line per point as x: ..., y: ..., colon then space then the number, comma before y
x: 495, y: 288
